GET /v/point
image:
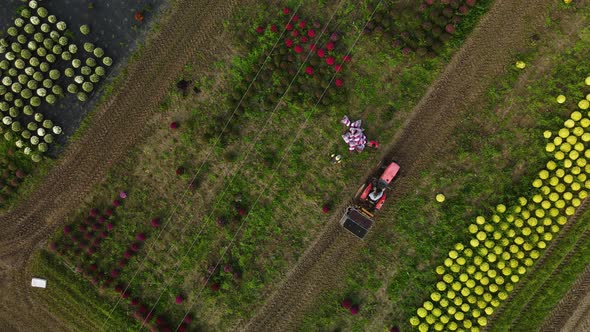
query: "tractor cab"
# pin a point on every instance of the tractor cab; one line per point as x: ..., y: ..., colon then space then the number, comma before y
x: 378, y: 191
x: 358, y: 218
x: 374, y: 192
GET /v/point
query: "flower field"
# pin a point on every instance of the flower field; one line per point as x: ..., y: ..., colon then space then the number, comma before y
x: 422, y: 29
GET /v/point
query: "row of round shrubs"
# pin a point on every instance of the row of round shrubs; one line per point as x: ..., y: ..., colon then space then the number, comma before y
x: 476, y: 277
x: 80, y: 245
x: 420, y: 27
x: 29, y: 55
x: 303, y: 51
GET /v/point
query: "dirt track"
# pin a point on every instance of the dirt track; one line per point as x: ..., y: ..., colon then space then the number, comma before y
x: 572, y: 313
x: 503, y: 32
x: 190, y: 31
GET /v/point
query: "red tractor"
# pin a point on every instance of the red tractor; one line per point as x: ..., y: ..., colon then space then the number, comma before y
x: 358, y: 217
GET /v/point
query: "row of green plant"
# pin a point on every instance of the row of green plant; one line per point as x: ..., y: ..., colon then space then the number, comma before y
x: 477, y: 276
x: 422, y: 28
x: 550, y: 281
x: 33, y: 50
x: 565, y: 79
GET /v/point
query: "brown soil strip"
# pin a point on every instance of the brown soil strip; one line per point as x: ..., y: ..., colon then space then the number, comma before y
x: 191, y: 31
x: 501, y: 33
x: 572, y: 313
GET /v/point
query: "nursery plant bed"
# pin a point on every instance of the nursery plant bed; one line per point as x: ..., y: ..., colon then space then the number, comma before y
x: 114, y: 27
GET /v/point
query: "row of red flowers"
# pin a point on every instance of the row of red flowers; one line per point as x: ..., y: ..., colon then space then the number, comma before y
x: 437, y: 22
x: 80, y: 245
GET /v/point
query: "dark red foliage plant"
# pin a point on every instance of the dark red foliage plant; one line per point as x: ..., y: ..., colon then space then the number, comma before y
x: 67, y: 229
x: 160, y: 320
x: 346, y: 304
x: 128, y: 254
x: 138, y: 16
x: 155, y: 222
x: 135, y: 246
x: 241, y: 211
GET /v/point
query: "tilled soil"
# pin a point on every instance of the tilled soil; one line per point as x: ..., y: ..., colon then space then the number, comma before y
x: 504, y: 31
x: 190, y: 31
x: 573, y: 311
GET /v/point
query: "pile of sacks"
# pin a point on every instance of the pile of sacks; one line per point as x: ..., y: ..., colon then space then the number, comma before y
x: 354, y: 137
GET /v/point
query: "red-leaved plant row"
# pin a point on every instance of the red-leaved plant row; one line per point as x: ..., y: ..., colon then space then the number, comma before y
x: 10, y: 177
x: 80, y: 245
x: 421, y: 27
x: 327, y: 57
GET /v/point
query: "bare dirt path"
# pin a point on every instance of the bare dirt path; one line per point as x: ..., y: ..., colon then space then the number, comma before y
x: 573, y: 311
x: 502, y: 32
x: 190, y: 31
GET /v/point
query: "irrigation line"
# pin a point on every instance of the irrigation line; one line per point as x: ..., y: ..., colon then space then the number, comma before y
x: 246, y: 156
x: 177, y: 203
x: 226, y: 249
